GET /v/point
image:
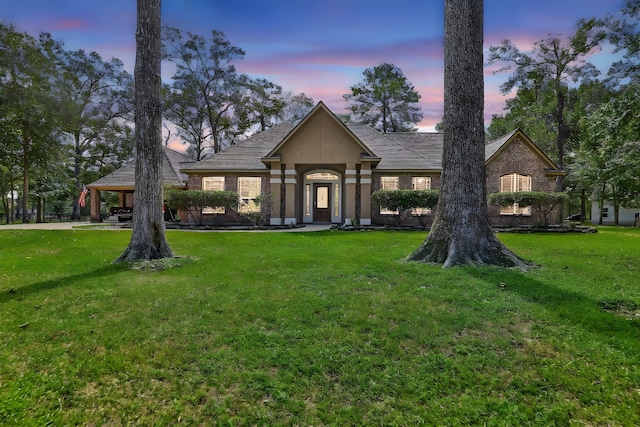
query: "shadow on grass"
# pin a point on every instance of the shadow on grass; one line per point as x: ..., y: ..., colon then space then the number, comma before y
x: 564, y: 306
x: 33, y: 288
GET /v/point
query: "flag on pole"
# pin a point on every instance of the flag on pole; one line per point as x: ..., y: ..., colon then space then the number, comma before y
x: 83, y: 195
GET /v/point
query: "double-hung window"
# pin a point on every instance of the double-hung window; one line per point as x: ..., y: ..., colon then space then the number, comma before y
x: 248, y: 190
x: 421, y: 183
x: 512, y: 183
x: 213, y: 183
x: 389, y: 183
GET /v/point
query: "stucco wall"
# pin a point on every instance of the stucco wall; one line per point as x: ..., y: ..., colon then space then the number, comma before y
x: 320, y: 141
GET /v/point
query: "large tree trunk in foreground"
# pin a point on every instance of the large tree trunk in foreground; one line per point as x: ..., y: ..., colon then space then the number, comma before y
x: 148, y: 240
x: 461, y: 233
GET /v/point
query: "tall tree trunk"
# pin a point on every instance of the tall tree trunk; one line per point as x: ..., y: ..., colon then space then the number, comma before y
x: 601, y: 208
x: 39, y: 214
x: 148, y: 239
x: 75, y: 214
x: 461, y: 233
x: 5, y: 207
x: 563, y: 135
x: 26, y: 164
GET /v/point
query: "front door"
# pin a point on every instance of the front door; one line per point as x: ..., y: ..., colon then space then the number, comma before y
x: 322, y: 203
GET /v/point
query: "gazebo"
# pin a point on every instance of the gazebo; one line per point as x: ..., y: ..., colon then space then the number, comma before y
x: 123, y: 180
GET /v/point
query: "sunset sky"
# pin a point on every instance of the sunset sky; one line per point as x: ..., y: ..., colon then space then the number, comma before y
x: 317, y: 47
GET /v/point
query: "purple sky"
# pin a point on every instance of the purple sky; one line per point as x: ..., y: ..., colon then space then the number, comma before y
x: 317, y: 47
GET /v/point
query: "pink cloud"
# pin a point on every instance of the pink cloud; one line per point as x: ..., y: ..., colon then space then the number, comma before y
x: 69, y: 24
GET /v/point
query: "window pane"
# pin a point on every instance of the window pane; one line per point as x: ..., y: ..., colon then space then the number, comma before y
x: 213, y: 183
x: 506, y: 183
x: 324, y: 176
x: 322, y: 197
x: 421, y: 183
x: 512, y: 183
x: 389, y: 182
x: 248, y: 189
x: 524, y: 183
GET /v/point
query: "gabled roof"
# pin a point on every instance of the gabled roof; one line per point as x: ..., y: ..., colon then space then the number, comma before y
x: 493, y: 148
x: 393, y: 152
x: 124, y: 178
x: 321, y: 107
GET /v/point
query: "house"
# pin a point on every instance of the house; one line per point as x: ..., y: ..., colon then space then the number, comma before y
x: 322, y: 170
x: 122, y: 181
x: 626, y: 216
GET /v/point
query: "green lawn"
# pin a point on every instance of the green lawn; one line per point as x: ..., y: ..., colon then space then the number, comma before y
x: 327, y: 328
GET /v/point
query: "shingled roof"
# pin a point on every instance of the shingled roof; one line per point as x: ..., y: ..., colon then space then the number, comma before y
x: 124, y: 178
x: 402, y: 150
x: 397, y: 150
x: 493, y: 147
x: 245, y: 155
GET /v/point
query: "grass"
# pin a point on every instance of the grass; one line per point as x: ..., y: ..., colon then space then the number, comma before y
x: 327, y: 328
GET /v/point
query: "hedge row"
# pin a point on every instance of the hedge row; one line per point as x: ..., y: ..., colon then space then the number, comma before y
x: 406, y: 199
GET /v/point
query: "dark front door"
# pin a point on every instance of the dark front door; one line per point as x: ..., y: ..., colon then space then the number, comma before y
x: 321, y: 203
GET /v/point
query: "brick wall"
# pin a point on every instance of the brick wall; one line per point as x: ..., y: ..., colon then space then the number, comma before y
x: 230, y: 184
x: 405, y: 182
x: 517, y: 157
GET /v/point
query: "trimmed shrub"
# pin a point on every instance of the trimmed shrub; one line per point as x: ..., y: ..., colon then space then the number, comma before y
x: 262, y: 215
x: 405, y: 200
x: 194, y: 201
x: 540, y: 202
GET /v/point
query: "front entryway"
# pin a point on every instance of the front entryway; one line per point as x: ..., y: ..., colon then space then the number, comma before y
x: 322, y: 195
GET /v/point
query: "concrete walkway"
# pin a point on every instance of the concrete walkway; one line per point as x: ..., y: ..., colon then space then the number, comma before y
x: 43, y: 226
x: 83, y: 224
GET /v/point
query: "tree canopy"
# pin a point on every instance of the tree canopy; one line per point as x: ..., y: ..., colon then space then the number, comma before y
x: 607, y: 163
x: 385, y: 100
x: 28, y: 122
x: 206, y: 90
x: 543, y: 76
x: 66, y: 117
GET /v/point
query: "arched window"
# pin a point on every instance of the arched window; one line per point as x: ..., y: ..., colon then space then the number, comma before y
x: 512, y: 183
